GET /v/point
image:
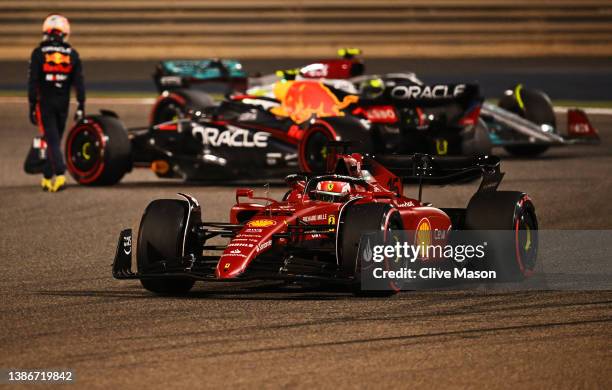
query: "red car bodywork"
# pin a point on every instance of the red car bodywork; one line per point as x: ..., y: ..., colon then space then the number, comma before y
x: 257, y: 235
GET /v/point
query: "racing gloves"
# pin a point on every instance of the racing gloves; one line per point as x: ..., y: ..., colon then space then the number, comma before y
x: 80, y: 112
x: 32, y: 114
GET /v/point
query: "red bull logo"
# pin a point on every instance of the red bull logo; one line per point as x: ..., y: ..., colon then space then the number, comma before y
x: 57, y: 58
x: 57, y: 63
x: 300, y: 100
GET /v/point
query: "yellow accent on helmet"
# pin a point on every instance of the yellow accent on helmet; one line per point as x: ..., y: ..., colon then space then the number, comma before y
x: 376, y: 83
x: 349, y: 52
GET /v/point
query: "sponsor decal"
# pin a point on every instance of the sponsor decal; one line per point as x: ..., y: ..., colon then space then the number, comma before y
x: 301, y: 100
x: 579, y: 128
x: 226, y: 267
x: 261, y: 223
x: 58, y: 68
x: 233, y: 137
x: 331, y: 220
x: 263, y: 246
x: 315, y: 217
x: 253, y: 231
x: 127, y: 245
x: 233, y: 255
x: 381, y: 114
x: 423, y: 235
x: 406, y: 204
x: 427, y: 91
x: 61, y: 49
x: 240, y: 244
x: 56, y: 77
x: 57, y: 58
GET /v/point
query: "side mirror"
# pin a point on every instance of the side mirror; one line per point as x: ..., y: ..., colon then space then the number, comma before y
x: 243, y: 193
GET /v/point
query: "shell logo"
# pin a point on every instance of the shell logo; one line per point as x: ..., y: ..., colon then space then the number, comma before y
x: 261, y: 223
x: 423, y: 236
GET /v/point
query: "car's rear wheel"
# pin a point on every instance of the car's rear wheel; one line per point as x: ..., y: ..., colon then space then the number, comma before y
x: 98, y: 151
x: 163, y: 239
x: 355, y: 221
x: 171, y: 106
x: 314, y: 150
x: 536, y: 107
x: 509, y: 225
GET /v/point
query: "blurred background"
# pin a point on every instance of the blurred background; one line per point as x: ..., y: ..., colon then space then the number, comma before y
x: 562, y: 46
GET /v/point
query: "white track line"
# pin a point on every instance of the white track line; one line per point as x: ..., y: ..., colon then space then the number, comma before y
x: 148, y: 101
x: 93, y: 100
x: 588, y: 110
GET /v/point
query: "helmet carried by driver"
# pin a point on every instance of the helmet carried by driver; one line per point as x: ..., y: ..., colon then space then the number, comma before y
x: 56, y: 27
x: 332, y: 191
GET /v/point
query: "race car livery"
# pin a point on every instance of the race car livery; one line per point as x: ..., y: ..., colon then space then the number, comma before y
x: 314, y: 232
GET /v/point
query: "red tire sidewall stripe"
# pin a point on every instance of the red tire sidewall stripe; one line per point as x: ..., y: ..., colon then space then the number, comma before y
x: 524, y: 271
x: 80, y: 176
x: 318, y: 127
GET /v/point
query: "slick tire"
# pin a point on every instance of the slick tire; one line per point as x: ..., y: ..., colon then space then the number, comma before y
x: 536, y: 107
x: 507, y: 222
x: 355, y: 221
x: 160, y: 245
x: 314, y: 152
x: 178, y: 104
x: 98, y: 151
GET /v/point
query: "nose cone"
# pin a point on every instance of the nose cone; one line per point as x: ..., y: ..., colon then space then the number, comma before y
x: 254, y: 238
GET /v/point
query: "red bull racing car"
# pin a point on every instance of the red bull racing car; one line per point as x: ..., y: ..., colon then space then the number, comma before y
x: 313, y: 233
x: 439, y: 119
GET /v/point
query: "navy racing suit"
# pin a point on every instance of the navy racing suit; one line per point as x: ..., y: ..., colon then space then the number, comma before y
x: 54, y: 68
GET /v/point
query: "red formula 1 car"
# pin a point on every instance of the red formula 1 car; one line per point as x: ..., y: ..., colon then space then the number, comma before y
x: 314, y: 232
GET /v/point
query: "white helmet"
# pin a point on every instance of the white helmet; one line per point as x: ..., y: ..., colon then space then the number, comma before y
x: 56, y: 24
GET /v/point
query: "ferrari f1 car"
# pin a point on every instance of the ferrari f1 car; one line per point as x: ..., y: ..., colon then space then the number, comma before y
x: 439, y: 119
x: 313, y: 232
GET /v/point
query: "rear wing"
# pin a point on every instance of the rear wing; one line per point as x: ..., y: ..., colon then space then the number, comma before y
x: 172, y: 74
x: 391, y: 171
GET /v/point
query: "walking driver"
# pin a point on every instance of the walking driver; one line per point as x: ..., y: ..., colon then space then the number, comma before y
x: 54, y: 67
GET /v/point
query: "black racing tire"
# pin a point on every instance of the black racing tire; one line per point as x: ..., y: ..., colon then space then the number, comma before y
x: 476, y: 140
x: 355, y: 221
x: 509, y: 225
x: 313, y: 149
x: 98, y: 151
x: 160, y: 240
x: 533, y: 105
x: 178, y: 104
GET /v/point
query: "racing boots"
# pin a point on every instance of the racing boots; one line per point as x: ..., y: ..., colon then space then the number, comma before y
x: 59, y: 184
x: 46, y: 184
x: 56, y: 185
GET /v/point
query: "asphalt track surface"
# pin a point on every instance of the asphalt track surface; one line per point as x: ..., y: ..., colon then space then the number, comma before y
x: 61, y: 308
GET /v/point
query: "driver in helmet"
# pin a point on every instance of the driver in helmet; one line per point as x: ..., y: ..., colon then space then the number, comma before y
x: 54, y: 68
x: 332, y: 191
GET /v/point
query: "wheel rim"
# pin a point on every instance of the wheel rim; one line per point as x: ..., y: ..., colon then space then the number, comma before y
x: 169, y: 111
x: 316, y: 151
x: 85, y: 153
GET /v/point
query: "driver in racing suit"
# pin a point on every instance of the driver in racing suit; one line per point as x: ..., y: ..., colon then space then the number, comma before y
x: 54, y: 67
